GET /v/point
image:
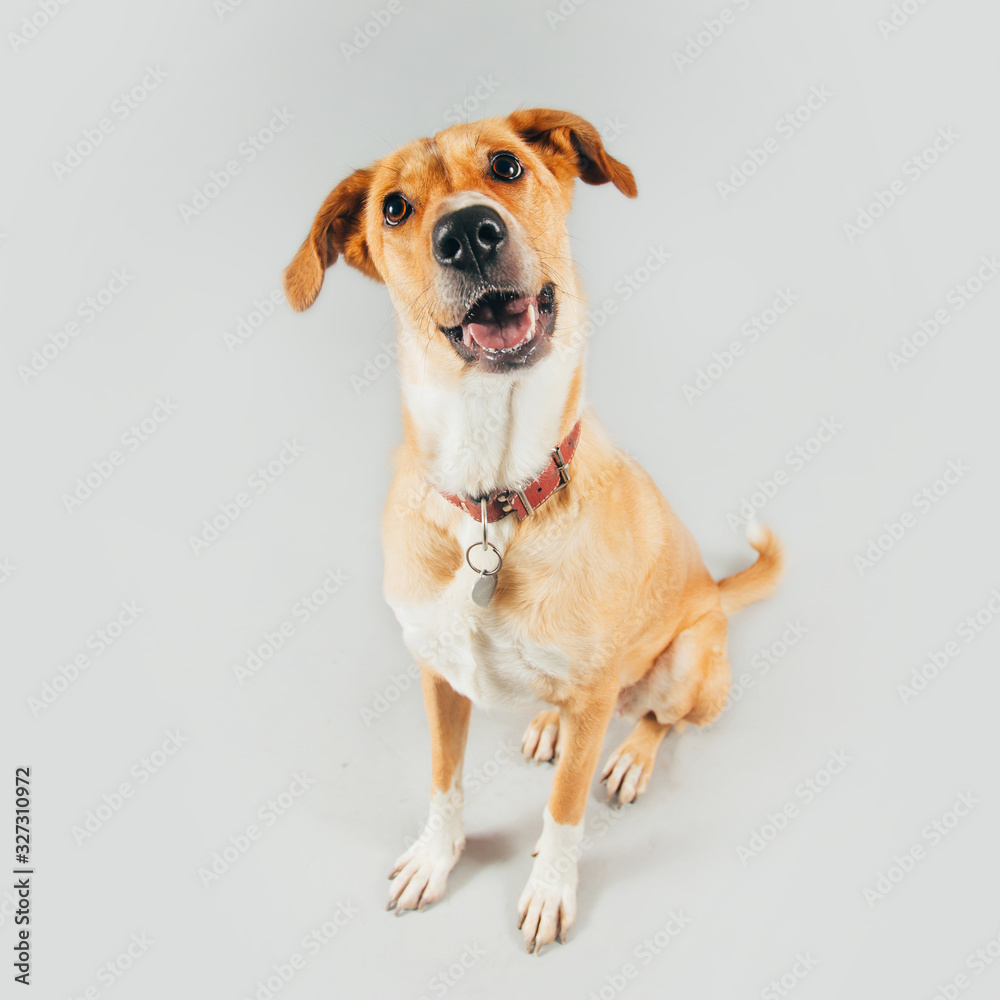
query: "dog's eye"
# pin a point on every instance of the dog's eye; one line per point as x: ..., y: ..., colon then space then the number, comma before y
x: 506, y: 166
x: 395, y: 209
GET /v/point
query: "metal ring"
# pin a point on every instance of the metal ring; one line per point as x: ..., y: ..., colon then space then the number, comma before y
x: 488, y: 545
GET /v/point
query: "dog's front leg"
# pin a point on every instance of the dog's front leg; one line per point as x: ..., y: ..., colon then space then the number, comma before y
x: 421, y: 873
x: 547, y: 906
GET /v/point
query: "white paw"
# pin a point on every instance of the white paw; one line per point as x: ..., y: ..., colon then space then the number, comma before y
x: 421, y: 873
x: 541, y: 738
x: 546, y: 911
x: 626, y: 775
x: 547, y: 907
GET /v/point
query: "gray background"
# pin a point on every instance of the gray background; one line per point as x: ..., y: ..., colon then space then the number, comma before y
x: 835, y: 690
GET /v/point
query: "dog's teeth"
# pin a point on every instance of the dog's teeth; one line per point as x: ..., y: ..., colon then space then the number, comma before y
x: 531, y: 322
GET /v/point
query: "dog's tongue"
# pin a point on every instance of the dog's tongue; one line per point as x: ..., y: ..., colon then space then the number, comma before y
x: 496, y: 325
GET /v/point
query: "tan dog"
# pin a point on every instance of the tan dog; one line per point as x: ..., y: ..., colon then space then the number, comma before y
x: 602, y: 599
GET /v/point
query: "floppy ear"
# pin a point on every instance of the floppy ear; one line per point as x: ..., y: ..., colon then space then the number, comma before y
x: 572, y: 142
x: 337, y: 229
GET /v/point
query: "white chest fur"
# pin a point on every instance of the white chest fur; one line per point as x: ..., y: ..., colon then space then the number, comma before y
x: 483, y: 433
x: 483, y: 653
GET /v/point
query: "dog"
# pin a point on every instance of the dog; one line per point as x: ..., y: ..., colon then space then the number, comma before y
x: 530, y: 562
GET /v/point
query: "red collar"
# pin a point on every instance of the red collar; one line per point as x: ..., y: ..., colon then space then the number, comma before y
x: 553, y: 478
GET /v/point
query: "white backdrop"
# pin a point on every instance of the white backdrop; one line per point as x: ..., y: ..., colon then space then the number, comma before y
x: 210, y: 824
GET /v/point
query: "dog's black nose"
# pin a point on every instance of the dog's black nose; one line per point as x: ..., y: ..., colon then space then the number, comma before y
x: 469, y: 239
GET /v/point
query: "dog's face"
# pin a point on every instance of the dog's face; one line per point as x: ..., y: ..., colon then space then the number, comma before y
x: 468, y: 231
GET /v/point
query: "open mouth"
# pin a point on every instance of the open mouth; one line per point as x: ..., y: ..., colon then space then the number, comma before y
x: 505, y: 329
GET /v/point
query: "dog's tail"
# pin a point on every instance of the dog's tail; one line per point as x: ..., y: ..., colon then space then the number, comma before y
x: 757, y: 581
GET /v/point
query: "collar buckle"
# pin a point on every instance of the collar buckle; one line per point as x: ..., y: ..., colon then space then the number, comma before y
x: 528, y: 509
x: 561, y: 468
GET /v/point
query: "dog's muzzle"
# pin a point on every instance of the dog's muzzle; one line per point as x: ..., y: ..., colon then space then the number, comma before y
x: 501, y: 316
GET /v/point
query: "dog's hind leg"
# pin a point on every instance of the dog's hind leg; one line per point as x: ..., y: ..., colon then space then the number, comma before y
x: 699, y: 660
x: 629, y: 768
x: 421, y: 873
x: 688, y: 682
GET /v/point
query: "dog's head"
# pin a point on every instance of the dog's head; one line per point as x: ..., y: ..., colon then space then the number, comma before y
x: 468, y: 232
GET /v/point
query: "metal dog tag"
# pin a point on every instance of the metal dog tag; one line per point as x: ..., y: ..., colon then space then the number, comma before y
x: 483, y: 588
x: 486, y: 583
